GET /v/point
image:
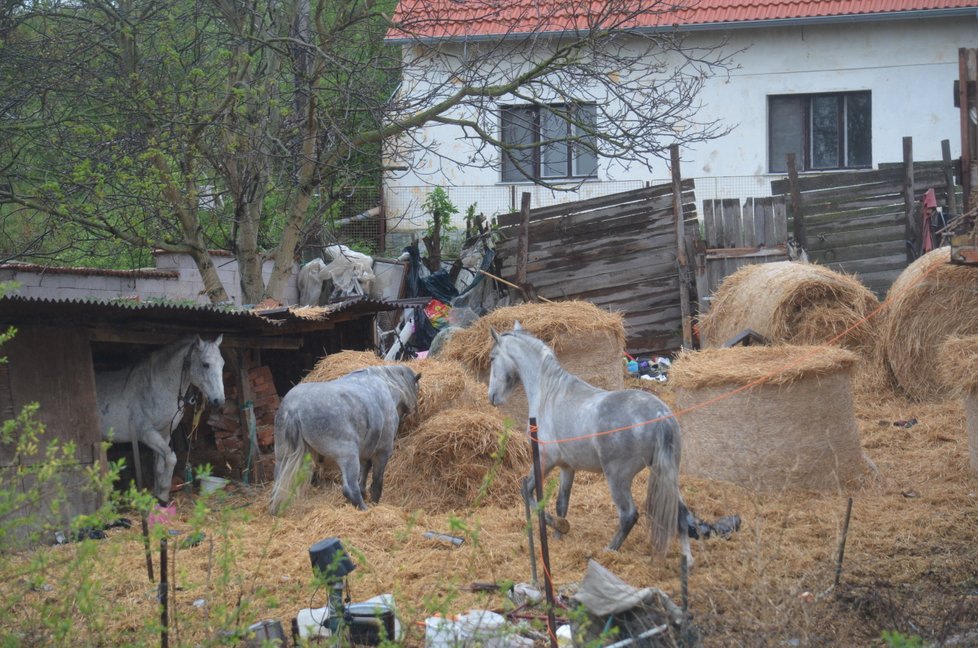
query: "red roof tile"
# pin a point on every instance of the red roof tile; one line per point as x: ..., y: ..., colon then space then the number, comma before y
x: 475, y: 18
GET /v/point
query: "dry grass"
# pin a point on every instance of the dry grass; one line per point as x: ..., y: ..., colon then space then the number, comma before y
x: 910, y: 561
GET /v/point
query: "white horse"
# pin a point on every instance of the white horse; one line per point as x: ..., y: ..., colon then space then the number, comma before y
x: 351, y: 420
x: 146, y: 401
x: 582, y: 427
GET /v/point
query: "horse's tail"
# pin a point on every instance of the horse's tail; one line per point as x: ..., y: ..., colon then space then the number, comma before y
x: 290, y: 478
x: 662, y: 497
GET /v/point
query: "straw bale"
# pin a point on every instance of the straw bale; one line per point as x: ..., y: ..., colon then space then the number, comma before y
x: 761, y: 419
x: 774, y: 365
x: 337, y: 365
x: 931, y: 301
x: 957, y: 364
x: 958, y: 368
x: 443, y: 465
x: 559, y: 324
x: 589, y: 343
x: 796, y: 303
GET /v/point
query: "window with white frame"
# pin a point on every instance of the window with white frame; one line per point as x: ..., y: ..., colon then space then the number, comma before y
x: 824, y: 131
x: 548, y: 142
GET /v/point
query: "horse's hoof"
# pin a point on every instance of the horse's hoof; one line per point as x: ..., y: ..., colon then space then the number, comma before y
x: 561, y: 525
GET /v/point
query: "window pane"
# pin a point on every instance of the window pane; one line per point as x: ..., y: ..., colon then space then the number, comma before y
x: 585, y: 151
x: 859, y: 130
x: 518, y: 130
x: 553, y: 158
x: 825, y: 132
x: 786, y: 132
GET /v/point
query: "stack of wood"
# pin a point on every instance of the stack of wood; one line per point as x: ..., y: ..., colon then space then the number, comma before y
x: 230, y: 436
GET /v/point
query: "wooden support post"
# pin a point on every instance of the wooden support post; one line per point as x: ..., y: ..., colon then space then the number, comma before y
x: 964, y: 119
x: 246, y: 415
x: 681, y: 259
x: 523, y: 244
x: 548, y: 585
x: 911, y: 226
x: 797, y: 217
x: 948, y: 168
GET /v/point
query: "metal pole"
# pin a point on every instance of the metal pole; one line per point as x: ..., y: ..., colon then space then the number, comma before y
x: 164, y: 597
x: 842, y: 543
x: 529, y: 539
x: 149, y: 554
x: 548, y: 584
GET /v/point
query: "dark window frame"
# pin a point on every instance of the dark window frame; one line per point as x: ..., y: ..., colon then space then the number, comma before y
x: 571, y: 154
x: 810, y: 155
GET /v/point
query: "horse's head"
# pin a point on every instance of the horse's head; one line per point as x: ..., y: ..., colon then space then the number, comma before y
x: 405, y: 383
x: 503, y: 374
x: 207, y: 369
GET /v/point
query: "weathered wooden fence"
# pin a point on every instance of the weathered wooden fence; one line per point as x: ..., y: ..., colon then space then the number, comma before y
x: 736, y: 235
x: 617, y: 251
x: 863, y: 222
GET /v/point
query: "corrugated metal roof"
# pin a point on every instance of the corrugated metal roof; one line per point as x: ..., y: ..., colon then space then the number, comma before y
x: 146, y: 315
x: 437, y: 19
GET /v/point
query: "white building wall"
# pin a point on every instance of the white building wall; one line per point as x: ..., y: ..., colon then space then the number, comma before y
x: 908, y: 65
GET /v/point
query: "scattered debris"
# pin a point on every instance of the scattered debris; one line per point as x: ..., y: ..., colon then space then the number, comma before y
x: 723, y: 527
x: 648, y: 616
x: 908, y: 423
x: 443, y: 537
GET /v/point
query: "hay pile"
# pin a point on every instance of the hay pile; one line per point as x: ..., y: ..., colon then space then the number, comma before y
x: 931, y: 301
x: 459, y: 459
x: 794, y: 303
x: 770, y: 418
x: 448, y: 447
x: 958, y: 368
x: 589, y: 342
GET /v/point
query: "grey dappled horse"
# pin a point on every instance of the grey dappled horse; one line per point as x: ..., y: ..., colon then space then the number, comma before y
x: 148, y: 399
x: 351, y: 420
x: 582, y: 427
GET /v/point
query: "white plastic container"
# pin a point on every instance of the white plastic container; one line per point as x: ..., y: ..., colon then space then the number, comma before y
x: 484, y: 628
x: 211, y: 484
x: 442, y: 632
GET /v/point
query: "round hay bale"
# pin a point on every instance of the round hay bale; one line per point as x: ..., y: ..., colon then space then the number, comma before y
x: 337, y: 365
x: 455, y: 460
x: 589, y: 343
x: 793, y: 303
x: 958, y: 368
x: 931, y: 301
x: 770, y: 418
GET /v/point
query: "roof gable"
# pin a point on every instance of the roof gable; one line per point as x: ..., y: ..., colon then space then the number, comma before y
x: 456, y: 19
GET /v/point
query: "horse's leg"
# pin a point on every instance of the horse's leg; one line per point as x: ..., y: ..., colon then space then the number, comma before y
x: 364, y: 472
x: 377, y: 483
x: 529, y: 495
x: 350, y: 471
x: 683, y: 530
x: 563, y: 501
x: 164, y: 463
x: 621, y: 494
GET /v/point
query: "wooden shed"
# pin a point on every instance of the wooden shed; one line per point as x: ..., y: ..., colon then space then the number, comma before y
x: 59, y: 345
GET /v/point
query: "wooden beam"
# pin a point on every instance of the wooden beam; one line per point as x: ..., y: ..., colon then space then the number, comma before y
x: 677, y: 214
x: 911, y: 226
x: 798, y: 219
x: 523, y: 244
x: 103, y: 334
